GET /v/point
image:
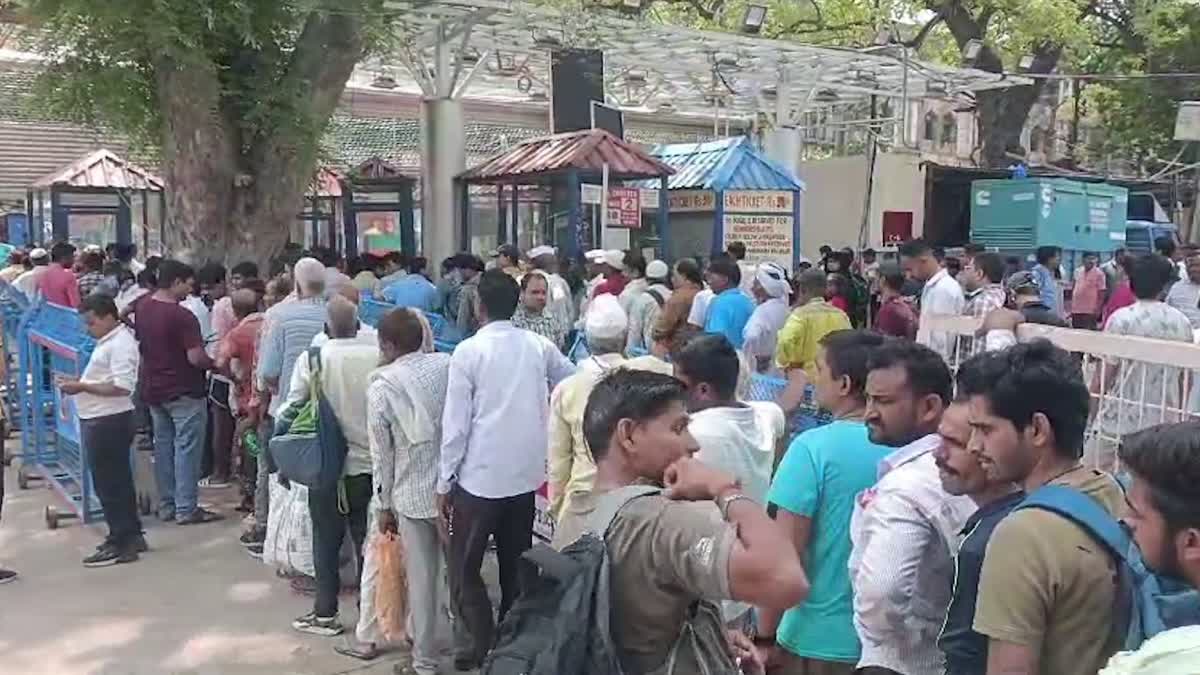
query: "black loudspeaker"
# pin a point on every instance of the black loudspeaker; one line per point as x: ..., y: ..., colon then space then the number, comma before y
x: 576, y: 79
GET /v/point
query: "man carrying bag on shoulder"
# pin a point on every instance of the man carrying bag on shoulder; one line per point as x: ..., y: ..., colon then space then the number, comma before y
x: 321, y: 441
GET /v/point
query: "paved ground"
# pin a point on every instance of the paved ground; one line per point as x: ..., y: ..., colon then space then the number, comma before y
x: 196, y: 604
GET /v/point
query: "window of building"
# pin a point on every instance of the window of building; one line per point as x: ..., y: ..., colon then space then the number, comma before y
x: 949, y: 129
x: 931, y: 123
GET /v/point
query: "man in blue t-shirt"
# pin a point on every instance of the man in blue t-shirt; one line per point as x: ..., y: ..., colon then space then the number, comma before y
x: 730, y: 308
x: 813, y: 494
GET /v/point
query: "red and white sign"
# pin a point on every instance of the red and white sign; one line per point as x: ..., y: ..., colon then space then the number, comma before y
x: 758, y: 201
x: 624, y: 207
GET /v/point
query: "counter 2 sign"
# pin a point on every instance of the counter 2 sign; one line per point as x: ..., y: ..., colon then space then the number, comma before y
x: 624, y: 207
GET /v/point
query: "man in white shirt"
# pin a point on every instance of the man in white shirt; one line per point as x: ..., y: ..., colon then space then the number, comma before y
x: 493, y: 453
x: 345, y: 366
x: 904, y: 530
x: 735, y: 437
x: 645, y: 308
x: 771, y: 290
x: 405, y: 400
x: 27, y: 282
x: 1185, y: 293
x: 942, y: 296
x: 559, y: 302
x: 103, y: 401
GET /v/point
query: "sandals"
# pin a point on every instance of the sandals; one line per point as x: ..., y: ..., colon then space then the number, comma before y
x: 199, y: 516
x: 363, y: 651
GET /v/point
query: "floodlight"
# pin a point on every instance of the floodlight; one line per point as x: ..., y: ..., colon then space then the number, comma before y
x: 538, y: 96
x: 469, y: 56
x: 770, y: 91
x: 827, y: 96
x: 666, y: 107
x: 756, y: 16
x: 546, y: 42
x: 971, y: 50
x: 631, y: 5
x: 384, y: 82
x: 1026, y: 63
x: 936, y: 87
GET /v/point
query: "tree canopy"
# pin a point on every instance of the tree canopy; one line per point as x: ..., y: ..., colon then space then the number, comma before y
x: 233, y: 93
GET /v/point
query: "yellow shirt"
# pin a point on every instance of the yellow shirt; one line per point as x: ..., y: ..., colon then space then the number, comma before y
x: 800, y: 336
x: 571, y: 467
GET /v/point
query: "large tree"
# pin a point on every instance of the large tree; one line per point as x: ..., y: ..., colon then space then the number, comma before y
x: 233, y: 93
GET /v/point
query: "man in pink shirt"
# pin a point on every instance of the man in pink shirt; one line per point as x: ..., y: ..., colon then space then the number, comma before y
x: 58, y: 283
x: 1087, y: 296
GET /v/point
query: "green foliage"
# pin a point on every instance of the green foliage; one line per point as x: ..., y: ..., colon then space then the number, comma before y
x: 106, y: 59
x: 1137, y: 117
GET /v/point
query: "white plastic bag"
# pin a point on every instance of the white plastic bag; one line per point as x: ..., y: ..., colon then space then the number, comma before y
x: 289, y: 543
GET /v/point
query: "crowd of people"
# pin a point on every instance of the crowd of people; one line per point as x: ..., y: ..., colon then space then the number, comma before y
x: 916, y: 533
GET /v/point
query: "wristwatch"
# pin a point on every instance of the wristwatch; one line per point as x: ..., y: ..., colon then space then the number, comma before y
x: 723, y: 503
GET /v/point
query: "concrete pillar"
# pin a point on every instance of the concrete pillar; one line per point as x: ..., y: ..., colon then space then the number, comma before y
x: 443, y: 156
x: 784, y: 145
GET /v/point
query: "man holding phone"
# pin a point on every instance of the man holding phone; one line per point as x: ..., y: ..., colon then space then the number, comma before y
x: 104, y: 404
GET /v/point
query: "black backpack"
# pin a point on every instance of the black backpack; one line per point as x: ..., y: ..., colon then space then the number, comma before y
x: 560, y: 623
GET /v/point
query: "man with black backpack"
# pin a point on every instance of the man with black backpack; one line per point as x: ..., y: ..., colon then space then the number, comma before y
x: 1047, y: 599
x: 670, y: 554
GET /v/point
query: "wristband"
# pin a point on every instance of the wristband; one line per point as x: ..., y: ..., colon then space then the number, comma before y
x: 725, y: 502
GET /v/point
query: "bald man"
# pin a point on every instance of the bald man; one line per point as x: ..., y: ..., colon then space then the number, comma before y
x: 345, y: 364
x: 365, y: 334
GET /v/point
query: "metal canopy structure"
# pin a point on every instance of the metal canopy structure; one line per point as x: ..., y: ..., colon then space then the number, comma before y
x: 502, y: 50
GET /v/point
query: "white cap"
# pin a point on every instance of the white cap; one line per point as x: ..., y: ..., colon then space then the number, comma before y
x: 539, y: 251
x: 595, y: 255
x: 308, y: 271
x: 605, y: 319
x: 657, y: 269
x: 38, y: 252
x: 615, y: 259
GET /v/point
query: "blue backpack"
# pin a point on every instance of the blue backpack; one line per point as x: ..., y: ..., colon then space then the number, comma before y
x: 1146, y: 603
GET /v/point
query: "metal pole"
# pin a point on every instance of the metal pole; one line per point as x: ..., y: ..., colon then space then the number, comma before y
x: 903, y: 98
x: 603, y: 201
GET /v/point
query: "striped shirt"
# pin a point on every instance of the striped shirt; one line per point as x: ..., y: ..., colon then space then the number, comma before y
x: 405, y: 471
x: 288, y: 330
x: 904, y: 531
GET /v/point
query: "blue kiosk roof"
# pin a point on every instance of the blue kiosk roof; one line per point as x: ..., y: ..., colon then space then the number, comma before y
x: 726, y: 164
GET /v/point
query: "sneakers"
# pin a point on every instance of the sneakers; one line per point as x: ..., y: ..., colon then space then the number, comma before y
x: 107, y: 554
x: 7, y: 576
x: 166, y: 514
x: 213, y: 482
x: 198, y: 516
x: 316, y: 625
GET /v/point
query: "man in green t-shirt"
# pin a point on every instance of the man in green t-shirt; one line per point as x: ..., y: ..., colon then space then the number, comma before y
x: 813, y: 493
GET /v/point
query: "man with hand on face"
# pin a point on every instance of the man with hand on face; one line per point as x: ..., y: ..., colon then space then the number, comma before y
x: 904, y: 530
x: 675, y: 553
x: 962, y: 474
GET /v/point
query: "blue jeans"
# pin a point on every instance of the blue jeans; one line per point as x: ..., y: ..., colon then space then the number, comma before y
x: 179, y: 430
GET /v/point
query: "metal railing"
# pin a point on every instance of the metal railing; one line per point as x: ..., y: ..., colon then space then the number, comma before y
x: 1134, y: 382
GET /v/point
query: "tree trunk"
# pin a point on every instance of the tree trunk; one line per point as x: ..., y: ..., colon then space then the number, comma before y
x: 1002, y: 113
x: 230, y: 200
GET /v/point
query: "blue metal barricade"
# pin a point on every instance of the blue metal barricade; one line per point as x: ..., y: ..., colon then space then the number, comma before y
x: 13, y: 306
x: 57, y: 345
x: 370, y: 311
x: 807, y: 416
x: 445, y: 336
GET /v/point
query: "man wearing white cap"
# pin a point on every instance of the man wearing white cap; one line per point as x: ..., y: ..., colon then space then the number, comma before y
x: 595, y: 277
x: 613, y: 267
x: 542, y: 258
x: 645, y: 308
x: 771, y: 290
x: 571, y: 467
x: 27, y: 283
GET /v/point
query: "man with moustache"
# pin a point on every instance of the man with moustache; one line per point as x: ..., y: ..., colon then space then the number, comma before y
x: 962, y: 474
x: 904, y: 530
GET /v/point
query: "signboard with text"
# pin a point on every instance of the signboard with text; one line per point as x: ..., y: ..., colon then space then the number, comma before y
x: 758, y: 201
x: 767, y: 237
x: 682, y: 201
x: 624, y: 207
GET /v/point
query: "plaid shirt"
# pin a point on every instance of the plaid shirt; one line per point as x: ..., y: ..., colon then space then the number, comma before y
x: 979, y: 304
x: 545, y: 324
x: 88, y: 283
